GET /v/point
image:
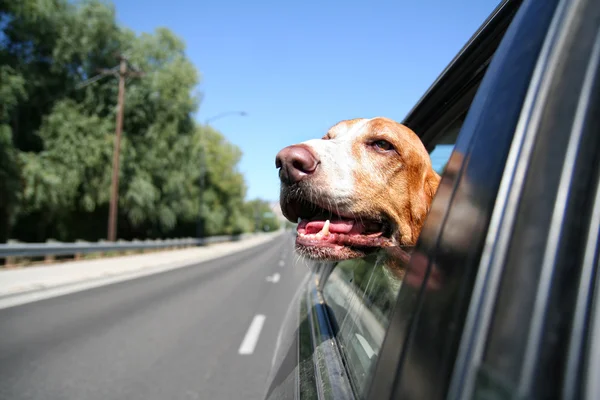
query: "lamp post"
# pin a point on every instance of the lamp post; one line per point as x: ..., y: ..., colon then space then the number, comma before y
x: 201, y: 180
x: 225, y: 114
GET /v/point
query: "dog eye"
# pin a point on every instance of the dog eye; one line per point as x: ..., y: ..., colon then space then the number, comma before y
x: 382, y: 145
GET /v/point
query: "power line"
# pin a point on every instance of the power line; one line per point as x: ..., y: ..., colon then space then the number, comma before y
x: 96, y: 78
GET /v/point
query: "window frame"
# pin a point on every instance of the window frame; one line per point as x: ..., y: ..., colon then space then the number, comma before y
x: 565, y: 73
x: 453, y: 91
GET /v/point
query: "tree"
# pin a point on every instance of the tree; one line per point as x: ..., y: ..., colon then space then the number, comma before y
x: 262, y: 215
x: 11, y: 92
x: 225, y: 189
x: 56, y: 130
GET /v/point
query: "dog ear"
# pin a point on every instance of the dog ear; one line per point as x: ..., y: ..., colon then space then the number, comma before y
x: 421, y: 205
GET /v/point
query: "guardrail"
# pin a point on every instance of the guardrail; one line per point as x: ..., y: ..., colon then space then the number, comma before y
x: 54, y: 248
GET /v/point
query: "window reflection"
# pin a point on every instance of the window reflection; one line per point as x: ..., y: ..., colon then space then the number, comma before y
x: 360, y: 294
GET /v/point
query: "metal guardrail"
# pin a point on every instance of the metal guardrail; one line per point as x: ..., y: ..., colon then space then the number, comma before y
x: 53, y: 248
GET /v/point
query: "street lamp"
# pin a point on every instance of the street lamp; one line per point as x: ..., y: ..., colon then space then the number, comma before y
x: 200, y: 224
x: 225, y: 114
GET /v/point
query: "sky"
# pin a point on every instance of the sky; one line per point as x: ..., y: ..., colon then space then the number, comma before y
x: 298, y: 67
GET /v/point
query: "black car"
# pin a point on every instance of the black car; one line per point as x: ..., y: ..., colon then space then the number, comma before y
x: 500, y: 298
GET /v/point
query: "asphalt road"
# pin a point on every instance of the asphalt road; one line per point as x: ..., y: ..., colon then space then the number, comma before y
x: 175, y: 335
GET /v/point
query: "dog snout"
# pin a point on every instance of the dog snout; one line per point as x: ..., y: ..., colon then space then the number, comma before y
x: 296, y: 163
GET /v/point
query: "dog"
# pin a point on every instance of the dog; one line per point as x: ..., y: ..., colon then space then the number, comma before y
x: 366, y: 185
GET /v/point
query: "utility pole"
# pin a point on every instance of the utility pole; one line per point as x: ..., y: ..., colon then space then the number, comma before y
x: 122, y: 74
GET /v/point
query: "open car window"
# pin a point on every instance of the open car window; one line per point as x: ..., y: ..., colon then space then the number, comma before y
x: 360, y: 293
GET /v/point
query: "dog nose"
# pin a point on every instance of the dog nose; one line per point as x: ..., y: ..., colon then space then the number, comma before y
x: 296, y: 163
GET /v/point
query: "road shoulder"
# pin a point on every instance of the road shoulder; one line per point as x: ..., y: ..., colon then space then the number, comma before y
x: 25, y: 285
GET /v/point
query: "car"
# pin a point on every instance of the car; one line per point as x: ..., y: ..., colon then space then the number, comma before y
x: 501, y: 296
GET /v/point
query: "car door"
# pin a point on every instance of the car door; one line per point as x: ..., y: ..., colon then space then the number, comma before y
x: 504, y: 274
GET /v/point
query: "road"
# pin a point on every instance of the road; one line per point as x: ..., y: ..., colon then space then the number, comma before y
x: 174, y: 335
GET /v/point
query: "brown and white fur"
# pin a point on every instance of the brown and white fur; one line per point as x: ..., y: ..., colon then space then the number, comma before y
x: 366, y: 184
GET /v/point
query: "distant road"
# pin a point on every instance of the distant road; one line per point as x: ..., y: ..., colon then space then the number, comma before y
x: 175, y: 335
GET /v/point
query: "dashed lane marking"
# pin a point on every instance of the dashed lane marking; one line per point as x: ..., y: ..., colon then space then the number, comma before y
x: 251, y: 338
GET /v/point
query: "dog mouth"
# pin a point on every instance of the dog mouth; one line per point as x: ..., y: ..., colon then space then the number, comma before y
x: 320, y: 227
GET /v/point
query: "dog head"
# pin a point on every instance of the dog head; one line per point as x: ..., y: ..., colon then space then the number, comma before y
x: 367, y: 184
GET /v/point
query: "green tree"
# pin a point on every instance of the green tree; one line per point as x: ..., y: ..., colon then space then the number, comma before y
x: 223, y: 197
x: 12, y: 90
x: 57, y: 130
x: 262, y: 216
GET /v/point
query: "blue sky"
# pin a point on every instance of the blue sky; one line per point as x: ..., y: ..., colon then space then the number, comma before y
x: 298, y: 67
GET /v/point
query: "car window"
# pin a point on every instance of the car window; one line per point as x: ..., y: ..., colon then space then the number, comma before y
x: 360, y: 293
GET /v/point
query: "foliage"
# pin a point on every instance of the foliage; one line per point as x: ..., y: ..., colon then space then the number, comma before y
x: 57, y: 131
x: 290, y: 225
x: 264, y: 218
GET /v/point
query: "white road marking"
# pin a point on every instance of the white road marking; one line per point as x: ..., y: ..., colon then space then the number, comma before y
x: 275, y: 278
x: 251, y: 338
x: 365, y: 345
x: 281, y: 263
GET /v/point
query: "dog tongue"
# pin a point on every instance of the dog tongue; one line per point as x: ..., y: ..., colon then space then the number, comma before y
x: 335, y: 226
